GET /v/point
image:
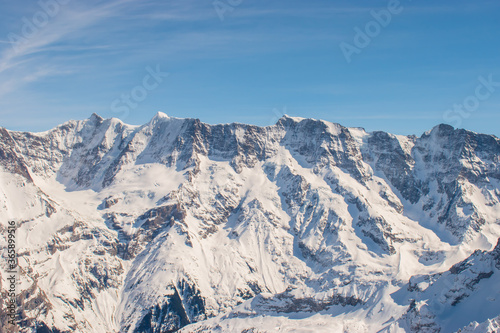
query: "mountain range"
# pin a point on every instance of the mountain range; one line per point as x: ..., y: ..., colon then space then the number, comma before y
x: 302, y: 226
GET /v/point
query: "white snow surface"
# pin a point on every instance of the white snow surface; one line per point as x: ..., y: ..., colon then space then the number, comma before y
x: 296, y: 227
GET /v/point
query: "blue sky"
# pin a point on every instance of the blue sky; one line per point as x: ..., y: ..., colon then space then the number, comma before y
x: 250, y: 61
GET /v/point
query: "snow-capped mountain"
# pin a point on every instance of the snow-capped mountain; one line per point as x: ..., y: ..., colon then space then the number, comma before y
x: 303, y: 226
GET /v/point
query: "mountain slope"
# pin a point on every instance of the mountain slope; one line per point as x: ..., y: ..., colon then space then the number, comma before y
x: 177, y: 223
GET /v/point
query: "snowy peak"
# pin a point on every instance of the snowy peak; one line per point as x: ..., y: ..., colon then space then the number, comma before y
x: 461, y: 290
x: 286, y: 118
x: 177, y: 224
x: 9, y: 160
x: 95, y: 118
x: 158, y: 117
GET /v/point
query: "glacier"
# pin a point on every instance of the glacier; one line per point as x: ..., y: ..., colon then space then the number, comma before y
x: 302, y: 226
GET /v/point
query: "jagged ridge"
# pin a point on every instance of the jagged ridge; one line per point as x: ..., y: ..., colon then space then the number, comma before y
x: 158, y: 226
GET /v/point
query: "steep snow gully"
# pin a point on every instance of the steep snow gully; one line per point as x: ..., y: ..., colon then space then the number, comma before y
x: 303, y: 226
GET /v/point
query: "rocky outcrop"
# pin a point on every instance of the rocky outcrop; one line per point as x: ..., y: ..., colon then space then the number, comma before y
x: 156, y: 227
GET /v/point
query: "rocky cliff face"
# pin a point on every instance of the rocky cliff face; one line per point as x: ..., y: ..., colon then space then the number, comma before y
x: 179, y: 224
x: 446, y: 301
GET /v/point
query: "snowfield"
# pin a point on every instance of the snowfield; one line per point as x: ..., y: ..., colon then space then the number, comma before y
x: 303, y: 226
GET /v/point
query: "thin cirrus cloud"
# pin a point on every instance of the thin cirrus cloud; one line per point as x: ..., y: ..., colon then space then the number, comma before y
x: 260, y: 56
x: 26, y: 60
x: 29, y: 61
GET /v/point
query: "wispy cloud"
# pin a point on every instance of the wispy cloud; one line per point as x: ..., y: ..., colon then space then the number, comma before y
x: 40, y: 55
x: 24, y: 59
